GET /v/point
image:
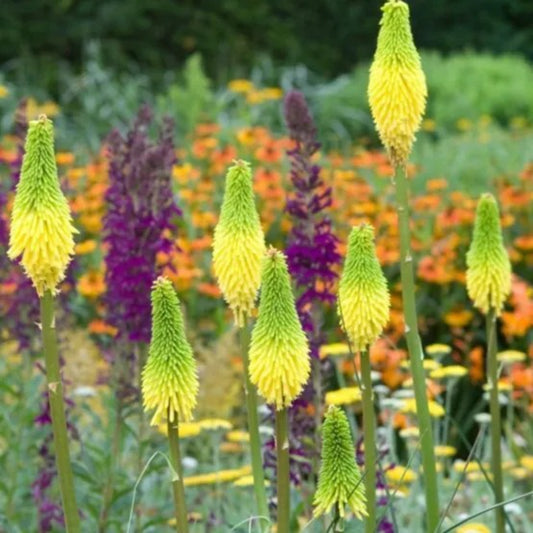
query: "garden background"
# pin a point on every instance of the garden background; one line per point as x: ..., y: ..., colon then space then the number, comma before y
x: 220, y: 71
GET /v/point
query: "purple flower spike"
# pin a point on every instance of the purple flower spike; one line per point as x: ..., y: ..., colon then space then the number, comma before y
x: 312, y: 247
x: 140, y: 216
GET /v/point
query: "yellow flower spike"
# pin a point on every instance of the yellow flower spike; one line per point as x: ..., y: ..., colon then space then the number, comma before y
x: 488, y: 275
x: 41, y: 223
x: 397, y: 89
x: 239, y: 243
x: 279, y: 351
x: 363, y: 300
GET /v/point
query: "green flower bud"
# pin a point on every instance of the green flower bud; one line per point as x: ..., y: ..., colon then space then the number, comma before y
x: 239, y: 243
x: 488, y: 274
x: 279, y: 351
x: 339, y: 481
x: 41, y: 224
x: 363, y: 300
x: 169, y: 377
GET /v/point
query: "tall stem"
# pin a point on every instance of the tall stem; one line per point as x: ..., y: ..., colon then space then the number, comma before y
x: 369, y: 443
x: 57, y: 411
x: 283, y: 481
x: 415, y: 350
x: 182, y: 525
x: 113, y: 459
x: 496, y: 424
x: 253, y: 429
x: 448, y: 409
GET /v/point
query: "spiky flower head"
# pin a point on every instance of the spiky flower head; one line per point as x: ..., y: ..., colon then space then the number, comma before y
x: 41, y: 223
x: 397, y: 86
x: 363, y: 300
x: 339, y: 481
x: 239, y: 243
x: 488, y: 274
x: 169, y: 377
x: 279, y: 352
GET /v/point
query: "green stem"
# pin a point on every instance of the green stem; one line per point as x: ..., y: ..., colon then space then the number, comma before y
x: 414, y: 347
x: 182, y: 525
x: 341, y: 381
x: 283, y: 486
x: 141, y: 353
x: 448, y: 409
x: 369, y: 434
x: 57, y: 411
x: 255, y: 439
x: 113, y: 459
x: 495, y: 424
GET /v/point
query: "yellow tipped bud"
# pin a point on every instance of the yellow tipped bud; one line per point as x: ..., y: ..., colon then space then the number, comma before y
x: 397, y: 87
x: 363, y: 299
x: 41, y: 224
x: 169, y: 377
x: 279, y: 352
x: 239, y: 243
x: 488, y: 276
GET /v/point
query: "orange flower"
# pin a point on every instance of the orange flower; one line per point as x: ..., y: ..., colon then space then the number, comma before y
x: 437, y: 184
x: 202, y: 147
x: 64, y: 158
x: 92, y: 223
x: 85, y: 247
x: 99, y: 327
x: 246, y: 136
x: 399, y: 421
x: 521, y: 376
x: 92, y: 284
x: 221, y: 158
x: 427, y: 203
x: 524, y: 242
x: 269, y: 152
x: 476, y: 370
x: 520, y: 320
x: 8, y: 287
x: 202, y: 243
x: 209, y: 289
x: 206, y: 129
x: 458, y: 318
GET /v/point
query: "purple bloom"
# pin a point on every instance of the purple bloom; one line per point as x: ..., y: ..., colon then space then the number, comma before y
x: 312, y: 247
x: 139, y: 220
x: 311, y: 255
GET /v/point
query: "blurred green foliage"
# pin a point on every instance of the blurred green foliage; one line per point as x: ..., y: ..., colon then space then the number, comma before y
x: 462, y: 89
x: 328, y: 37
